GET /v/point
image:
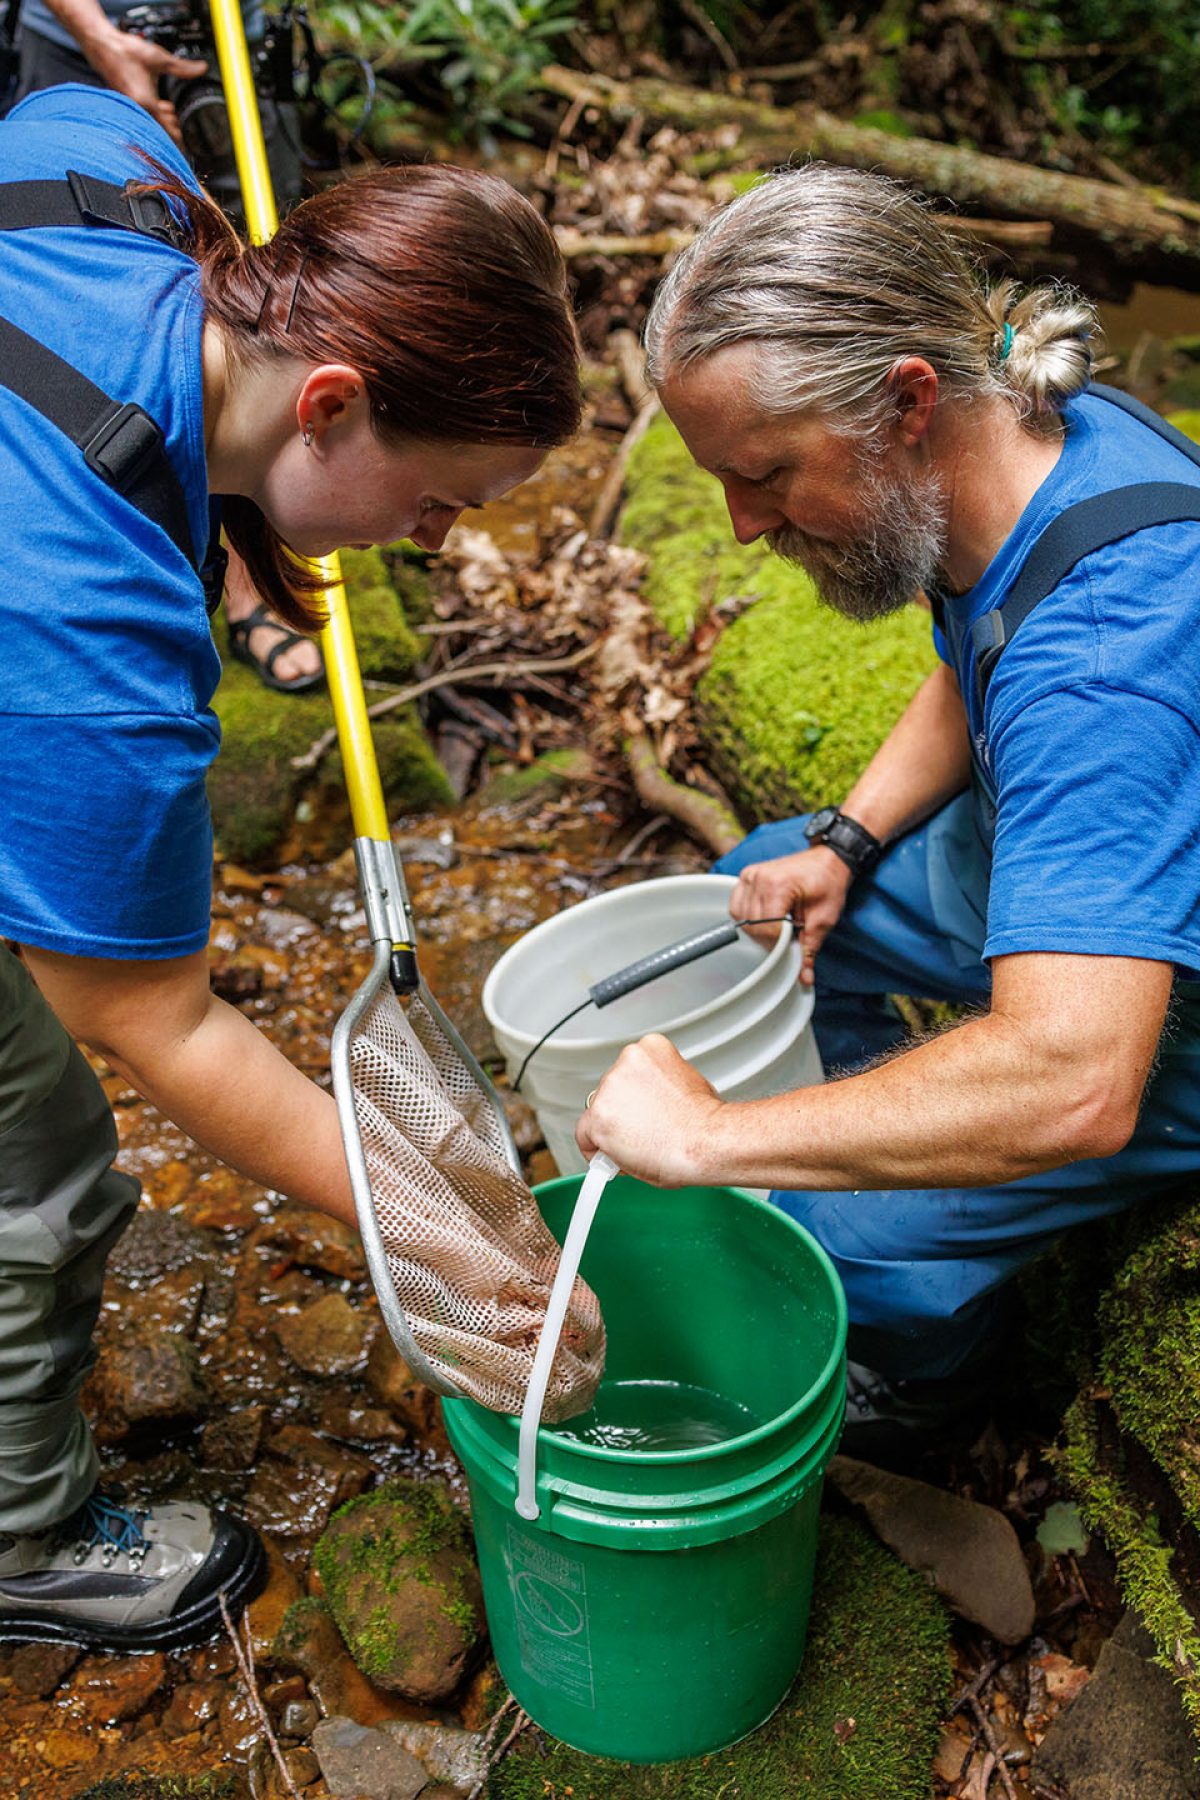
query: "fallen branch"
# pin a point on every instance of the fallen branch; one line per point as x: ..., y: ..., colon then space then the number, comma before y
x: 701, y: 814
x: 609, y: 497
x: 497, y: 674
x: 245, y: 1663
x: 497, y: 1757
x: 1160, y: 231
x: 668, y: 242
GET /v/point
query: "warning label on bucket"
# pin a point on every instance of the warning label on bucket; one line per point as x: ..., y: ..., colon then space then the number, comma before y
x: 550, y: 1598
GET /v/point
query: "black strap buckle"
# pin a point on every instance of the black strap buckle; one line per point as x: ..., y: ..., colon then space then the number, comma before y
x: 123, y: 446
x: 146, y: 213
x: 212, y: 575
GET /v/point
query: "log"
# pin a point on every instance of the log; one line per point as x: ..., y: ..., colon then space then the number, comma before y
x: 1160, y: 231
x: 702, y: 814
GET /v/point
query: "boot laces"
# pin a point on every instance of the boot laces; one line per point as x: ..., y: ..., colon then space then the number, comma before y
x: 102, y: 1524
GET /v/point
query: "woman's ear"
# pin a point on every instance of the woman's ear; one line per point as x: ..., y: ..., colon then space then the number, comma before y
x: 329, y: 395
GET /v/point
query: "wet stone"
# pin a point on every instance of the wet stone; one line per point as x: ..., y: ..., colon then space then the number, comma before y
x: 192, y: 1705
x: 393, y: 1384
x: 155, y: 1243
x: 266, y: 1613
x: 224, y: 1202
x: 450, y: 1755
x: 108, y: 1689
x: 37, y: 1669
x: 310, y: 1641
x: 231, y: 1439
x: 328, y: 1338
x: 149, y: 1376
x: 312, y: 1240
x: 240, y: 1727
x: 66, y: 1749
x: 359, y: 1762
x: 298, y: 1719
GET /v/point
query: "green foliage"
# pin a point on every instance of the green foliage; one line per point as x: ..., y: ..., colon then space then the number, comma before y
x: 162, y: 1787
x: 796, y: 699
x: 488, y: 54
x: 861, y: 1722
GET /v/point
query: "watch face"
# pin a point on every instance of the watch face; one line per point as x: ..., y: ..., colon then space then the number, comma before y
x: 820, y: 822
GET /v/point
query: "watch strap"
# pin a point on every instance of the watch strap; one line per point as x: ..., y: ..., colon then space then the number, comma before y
x: 857, y: 847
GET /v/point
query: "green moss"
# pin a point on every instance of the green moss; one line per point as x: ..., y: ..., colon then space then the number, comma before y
x: 877, y: 1654
x: 253, y: 786
x: 796, y: 699
x: 546, y: 775
x: 296, y: 1625
x: 395, y: 1533
x: 1188, y: 423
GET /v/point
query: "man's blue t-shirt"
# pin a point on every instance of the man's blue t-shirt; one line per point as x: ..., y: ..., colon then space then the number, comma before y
x: 108, y: 665
x: 1092, y: 720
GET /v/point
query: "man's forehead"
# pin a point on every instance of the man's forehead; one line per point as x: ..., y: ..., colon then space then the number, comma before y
x: 712, y: 401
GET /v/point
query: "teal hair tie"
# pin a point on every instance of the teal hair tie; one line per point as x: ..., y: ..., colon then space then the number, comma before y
x: 1007, y: 345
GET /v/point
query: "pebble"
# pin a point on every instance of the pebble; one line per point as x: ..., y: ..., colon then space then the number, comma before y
x: 111, y: 1688
x: 193, y: 1705
x: 328, y: 1338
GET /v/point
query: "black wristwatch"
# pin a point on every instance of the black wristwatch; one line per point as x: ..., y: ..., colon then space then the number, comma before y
x: 856, y: 846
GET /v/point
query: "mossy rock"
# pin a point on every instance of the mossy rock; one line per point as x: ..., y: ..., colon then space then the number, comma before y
x: 796, y: 699
x: 861, y: 1722
x: 543, y: 779
x: 399, y: 1572
x: 1131, y: 1451
x: 253, y: 787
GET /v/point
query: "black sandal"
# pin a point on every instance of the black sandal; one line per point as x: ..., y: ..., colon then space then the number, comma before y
x: 264, y: 666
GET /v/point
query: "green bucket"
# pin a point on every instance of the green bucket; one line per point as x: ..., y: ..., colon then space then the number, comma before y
x: 658, y: 1606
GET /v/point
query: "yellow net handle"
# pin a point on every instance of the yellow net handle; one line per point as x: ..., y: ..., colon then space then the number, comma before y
x: 337, y: 638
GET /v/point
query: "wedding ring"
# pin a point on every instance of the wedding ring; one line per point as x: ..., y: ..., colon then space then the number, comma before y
x: 590, y: 1098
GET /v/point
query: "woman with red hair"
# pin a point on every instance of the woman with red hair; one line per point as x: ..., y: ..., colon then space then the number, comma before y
x: 402, y: 349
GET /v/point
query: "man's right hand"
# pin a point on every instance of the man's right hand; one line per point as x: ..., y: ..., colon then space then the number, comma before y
x: 811, y: 886
x: 133, y: 65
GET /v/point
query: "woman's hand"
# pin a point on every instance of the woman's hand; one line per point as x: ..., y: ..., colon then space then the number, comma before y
x: 810, y: 885
x: 653, y: 1114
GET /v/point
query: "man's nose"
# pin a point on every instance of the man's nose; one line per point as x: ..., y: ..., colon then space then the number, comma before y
x: 751, y: 513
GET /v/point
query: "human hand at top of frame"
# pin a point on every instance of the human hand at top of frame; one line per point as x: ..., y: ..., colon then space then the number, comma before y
x: 810, y: 885
x: 134, y: 66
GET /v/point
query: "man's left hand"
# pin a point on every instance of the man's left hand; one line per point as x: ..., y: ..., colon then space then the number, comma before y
x: 653, y: 1114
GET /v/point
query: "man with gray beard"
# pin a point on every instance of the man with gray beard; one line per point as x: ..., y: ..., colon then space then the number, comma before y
x: 1024, y: 844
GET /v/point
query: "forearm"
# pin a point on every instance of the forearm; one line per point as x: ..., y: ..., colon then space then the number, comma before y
x: 90, y: 26
x: 923, y: 762
x: 231, y: 1090
x: 1008, y: 1094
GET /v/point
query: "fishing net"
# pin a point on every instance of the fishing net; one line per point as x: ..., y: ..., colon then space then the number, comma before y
x: 469, y: 1256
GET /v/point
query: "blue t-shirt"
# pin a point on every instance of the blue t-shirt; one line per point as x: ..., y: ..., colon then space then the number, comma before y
x: 108, y: 663
x: 1092, y: 719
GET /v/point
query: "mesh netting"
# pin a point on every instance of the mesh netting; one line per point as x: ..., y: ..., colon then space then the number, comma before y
x: 471, y: 1259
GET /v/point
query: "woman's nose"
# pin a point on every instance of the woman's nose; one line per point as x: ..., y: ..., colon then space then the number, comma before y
x: 431, y: 534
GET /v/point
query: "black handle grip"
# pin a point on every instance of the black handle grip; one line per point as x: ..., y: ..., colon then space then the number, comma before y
x: 672, y: 956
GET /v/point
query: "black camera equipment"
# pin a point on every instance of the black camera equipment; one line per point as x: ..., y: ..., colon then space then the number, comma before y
x: 287, y: 67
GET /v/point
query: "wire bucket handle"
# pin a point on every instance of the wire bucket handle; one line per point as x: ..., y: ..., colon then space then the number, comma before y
x: 600, y: 1172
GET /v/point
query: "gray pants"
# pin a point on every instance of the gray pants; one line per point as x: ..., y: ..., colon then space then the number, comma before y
x: 62, y: 1207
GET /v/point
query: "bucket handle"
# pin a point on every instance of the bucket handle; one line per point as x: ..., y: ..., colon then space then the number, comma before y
x: 600, y: 1172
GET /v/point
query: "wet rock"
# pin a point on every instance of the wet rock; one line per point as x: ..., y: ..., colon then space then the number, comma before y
x: 66, y: 1749
x: 969, y: 1552
x: 366, y: 1764
x: 266, y: 1613
x: 298, y: 1719
x: 401, y: 1580
x: 225, y: 1202
x: 328, y: 1338
x: 266, y: 1782
x: 312, y: 1240
x: 394, y: 1385
x: 1125, y: 1735
x: 456, y: 1757
x: 37, y: 1669
x: 240, y: 1727
x: 192, y: 1705
x: 360, y: 1424
x: 155, y: 1243
x: 149, y: 1376
x: 309, y: 1640
x: 108, y: 1689
x: 231, y: 1439
x: 302, y: 1480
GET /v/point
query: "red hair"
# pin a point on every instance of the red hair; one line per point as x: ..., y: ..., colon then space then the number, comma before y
x: 442, y: 287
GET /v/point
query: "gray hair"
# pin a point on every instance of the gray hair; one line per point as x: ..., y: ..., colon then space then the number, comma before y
x: 839, y: 275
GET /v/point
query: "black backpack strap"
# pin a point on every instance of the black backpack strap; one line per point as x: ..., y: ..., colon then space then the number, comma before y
x: 86, y: 200
x: 120, y: 443
x: 1089, y: 525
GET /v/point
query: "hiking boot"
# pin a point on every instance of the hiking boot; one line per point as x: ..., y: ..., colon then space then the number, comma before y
x: 894, y: 1424
x: 116, y: 1577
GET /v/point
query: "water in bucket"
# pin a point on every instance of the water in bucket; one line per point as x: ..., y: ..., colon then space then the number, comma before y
x: 658, y: 1415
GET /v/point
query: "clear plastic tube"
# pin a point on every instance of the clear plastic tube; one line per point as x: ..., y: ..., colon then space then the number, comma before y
x: 600, y: 1172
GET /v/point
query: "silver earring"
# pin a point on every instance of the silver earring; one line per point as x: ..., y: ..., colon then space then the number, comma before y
x: 307, y: 435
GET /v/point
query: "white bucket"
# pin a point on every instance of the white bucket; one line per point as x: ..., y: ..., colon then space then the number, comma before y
x: 739, y: 1015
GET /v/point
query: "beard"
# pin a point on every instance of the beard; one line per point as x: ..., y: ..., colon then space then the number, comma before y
x: 897, y: 554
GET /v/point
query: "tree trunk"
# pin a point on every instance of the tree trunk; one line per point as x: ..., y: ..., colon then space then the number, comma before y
x: 1160, y: 231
